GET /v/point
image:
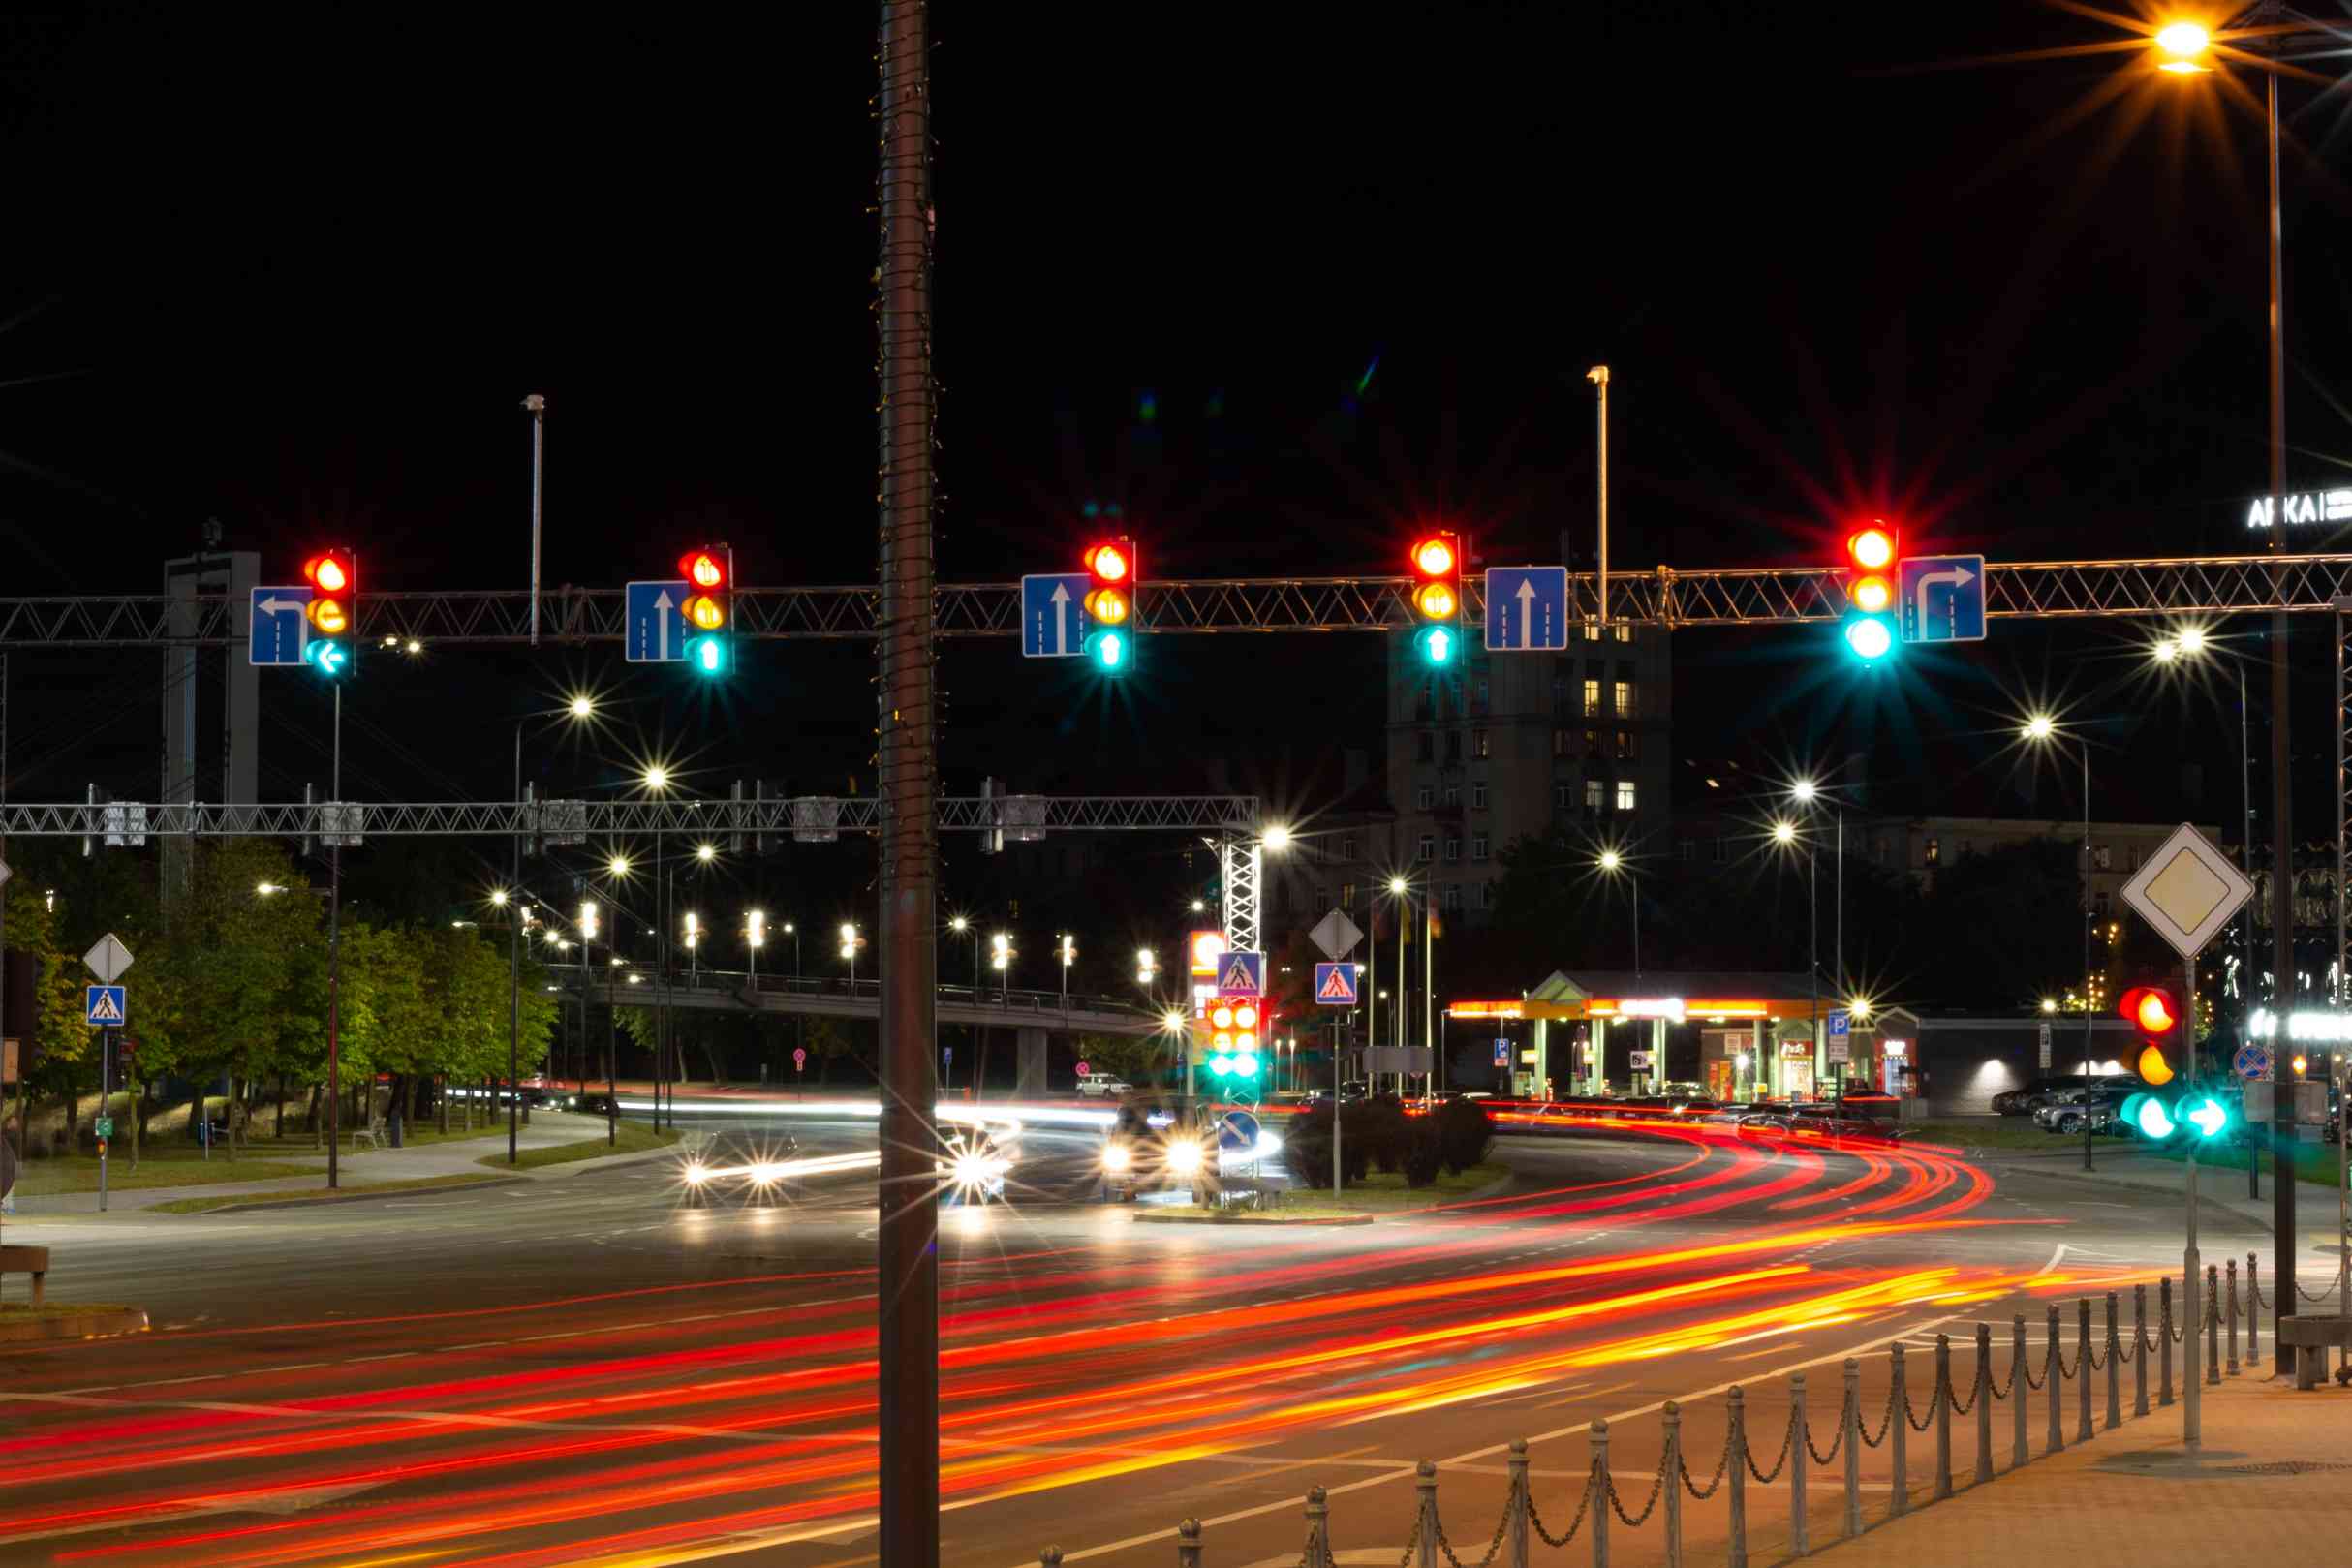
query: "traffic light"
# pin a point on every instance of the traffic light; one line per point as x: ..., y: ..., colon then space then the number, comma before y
x: 1872, y: 553
x: 710, y: 605
x: 2156, y: 1012
x: 1436, y: 598
x: 1111, y: 604
x: 333, y: 612
x: 1233, y: 1039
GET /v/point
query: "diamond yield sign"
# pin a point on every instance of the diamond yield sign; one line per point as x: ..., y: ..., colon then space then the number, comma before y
x: 5, y: 874
x: 2188, y: 890
x: 1336, y: 934
x: 1335, y: 985
x: 109, y: 958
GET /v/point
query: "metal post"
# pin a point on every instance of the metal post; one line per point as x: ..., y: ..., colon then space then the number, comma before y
x: 2087, y: 1103
x: 1941, y: 1406
x: 334, y: 954
x: 2212, y: 1324
x: 1800, y: 1535
x: 1600, y: 1484
x: 1850, y: 1418
x: 2138, y: 1350
x: 1319, y: 1525
x: 1516, y: 1533
x: 2230, y: 1268
x: 2282, y: 800
x: 2164, y: 1343
x: 2253, y: 1310
x: 2056, y: 1381
x: 2083, y: 1368
x: 1598, y: 376
x: 1670, y: 1483
x: 1735, y: 1466
x: 538, y: 406
x: 1187, y: 1544
x: 2114, y: 1368
x: 1983, y: 1401
x: 1425, y: 1513
x: 907, y: 960
x: 2192, y: 1398
x: 1899, y: 1428
x: 514, y: 889
x: 2019, y: 1454
x: 105, y: 1052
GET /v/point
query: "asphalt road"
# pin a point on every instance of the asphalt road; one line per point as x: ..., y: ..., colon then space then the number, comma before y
x: 609, y: 1370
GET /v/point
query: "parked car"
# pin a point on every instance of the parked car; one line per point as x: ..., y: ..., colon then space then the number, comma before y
x: 1102, y: 1085
x: 2045, y: 1090
x: 2066, y: 1112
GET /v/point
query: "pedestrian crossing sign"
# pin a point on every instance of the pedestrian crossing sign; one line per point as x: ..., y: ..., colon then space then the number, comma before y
x: 105, y: 1006
x: 1240, y: 974
x: 1335, y: 985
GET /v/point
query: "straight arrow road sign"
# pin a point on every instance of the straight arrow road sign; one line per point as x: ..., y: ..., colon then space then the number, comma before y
x: 1526, y: 608
x: 1054, y: 621
x: 654, y: 622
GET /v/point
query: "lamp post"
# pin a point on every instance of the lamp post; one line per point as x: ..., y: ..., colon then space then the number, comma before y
x: 581, y: 706
x: 1067, y: 946
x: 1784, y: 834
x: 848, y: 951
x: 2041, y: 730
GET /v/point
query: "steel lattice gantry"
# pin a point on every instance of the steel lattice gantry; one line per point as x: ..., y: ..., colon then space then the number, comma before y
x: 2215, y: 585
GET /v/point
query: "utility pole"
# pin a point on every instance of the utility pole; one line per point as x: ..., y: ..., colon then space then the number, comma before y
x: 906, y: 1257
x: 334, y: 954
x: 1598, y: 376
x: 2282, y: 804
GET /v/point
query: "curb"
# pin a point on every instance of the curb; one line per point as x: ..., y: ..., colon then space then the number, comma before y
x: 73, y: 1326
x: 2171, y: 1189
x: 1189, y: 1218
x: 284, y: 1200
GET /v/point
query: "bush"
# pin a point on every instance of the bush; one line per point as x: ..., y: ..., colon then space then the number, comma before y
x: 1381, y: 1130
x: 1307, y: 1148
x: 1463, y: 1134
x: 1424, y: 1152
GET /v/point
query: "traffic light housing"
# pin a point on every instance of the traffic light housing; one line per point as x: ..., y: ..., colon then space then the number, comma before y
x: 709, y: 609
x: 1233, y: 1036
x: 2154, y: 1011
x: 1110, y: 604
x: 1436, y: 598
x: 1874, y: 556
x: 333, y: 611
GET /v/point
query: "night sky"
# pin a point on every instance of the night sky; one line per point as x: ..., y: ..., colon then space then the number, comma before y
x: 1280, y: 282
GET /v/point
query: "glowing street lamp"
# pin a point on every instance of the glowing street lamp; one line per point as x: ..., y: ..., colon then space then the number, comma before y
x: 2042, y: 729
x: 2187, y: 43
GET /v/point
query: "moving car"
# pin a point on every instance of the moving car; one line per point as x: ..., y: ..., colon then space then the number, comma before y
x: 749, y: 1167
x: 976, y: 1158
x: 1142, y: 1153
x: 1102, y: 1085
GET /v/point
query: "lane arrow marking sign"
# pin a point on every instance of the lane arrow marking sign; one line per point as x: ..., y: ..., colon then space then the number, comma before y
x: 661, y: 620
x: 1526, y: 614
x: 1956, y: 580
x: 1061, y: 619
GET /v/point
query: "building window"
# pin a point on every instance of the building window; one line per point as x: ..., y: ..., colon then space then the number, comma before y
x: 1935, y: 852
x: 1628, y: 747
x: 1559, y: 689
x: 1482, y: 698
x: 1347, y: 846
x: 1453, y: 745
x: 1427, y: 850
x: 1559, y: 741
x: 1453, y: 848
x: 1595, y: 794
x: 1592, y: 698
x: 1563, y: 795
x: 1425, y: 746
x: 1686, y: 848
x: 1421, y: 798
x: 1453, y: 794
x: 1625, y: 794
x: 1624, y: 631
x: 1591, y: 632
x: 1478, y: 843
x: 1348, y: 895
x: 1453, y: 899
x: 1480, y: 746
x: 1624, y: 699
x: 1486, y: 895
x: 1592, y: 743
x: 1479, y: 795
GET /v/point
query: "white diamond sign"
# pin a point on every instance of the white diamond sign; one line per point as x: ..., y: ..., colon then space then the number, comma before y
x: 5, y: 874
x: 108, y: 958
x: 2188, y: 890
x: 1336, y: 934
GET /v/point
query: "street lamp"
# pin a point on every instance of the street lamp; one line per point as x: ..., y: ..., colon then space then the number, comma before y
x: 1000, y: 959
x: 1276, y: 837
x: 657, y: 778
x: 849, y: 950
x: 1068, y: 945
x: 1611, y: 865
x: 2042, y: 729
x: 754, y: 938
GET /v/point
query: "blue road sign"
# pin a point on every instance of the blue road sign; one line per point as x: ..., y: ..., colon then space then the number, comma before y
x: 654, y: 628
x: 1241, y: 974
x: 106, y: 1006
x: 1502, y: 1053
x: 2251, y: 1061
x: 1526, y: 608
x: 1054, y: 621
x: 1237, y: 1132
x: 281, y: 625
x: 1335, y: 985
x: 1943, y: 598
x: 1840, y: 1024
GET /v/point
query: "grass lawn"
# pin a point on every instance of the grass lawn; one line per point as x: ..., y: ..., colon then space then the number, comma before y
x: 1382, y: 1193
x: 235, y: 1200
x: 635, y: 1137
x: 2009, y: 1133
x: 166, y: 1164
x: 2314, y: 1163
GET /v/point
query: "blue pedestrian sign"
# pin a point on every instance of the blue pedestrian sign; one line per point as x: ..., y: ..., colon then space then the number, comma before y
x: 2251, y: 1060
x: 1943, y: 598
x: 281, y: 625
x: 1335, y: 985
x: 653, y: 629
x: 1241, y: 974
x: 1054, y: 621
x: 1526, y: 608
x: 105, y: 1004
x: 1841, y: 1025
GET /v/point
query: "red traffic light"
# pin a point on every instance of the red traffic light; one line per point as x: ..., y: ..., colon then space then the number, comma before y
x: 330, y: 573
x: 704, y: 569
x: 1111, y: 561
x: 1436, y: 556
x: 2151, y: 1009
x: 1872, y: 549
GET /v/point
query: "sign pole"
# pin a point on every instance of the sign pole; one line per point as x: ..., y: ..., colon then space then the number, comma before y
x: 106, y: 1050
x: 2191, y: 1270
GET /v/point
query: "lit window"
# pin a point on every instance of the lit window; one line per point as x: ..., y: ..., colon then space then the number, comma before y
x: 1592, y: 698
x: 1625, y: 794
x: 1935, y: 852
x: 1591, y: 632
x: 1624, y: 699
x: 1624, y: 631
x: 1594, y: 794
x: 1628, y: 747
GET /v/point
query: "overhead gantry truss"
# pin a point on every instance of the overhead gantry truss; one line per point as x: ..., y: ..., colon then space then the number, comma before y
x: 1771, y: 596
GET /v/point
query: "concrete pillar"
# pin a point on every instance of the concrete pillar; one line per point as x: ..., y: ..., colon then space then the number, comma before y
x: 1543, y: 1054
x: 1028, y: 1061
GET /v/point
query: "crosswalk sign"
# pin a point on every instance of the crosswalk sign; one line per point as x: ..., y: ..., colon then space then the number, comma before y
x: 105, y: 1006
x: 1335, y: 985
x: 1241, y: 974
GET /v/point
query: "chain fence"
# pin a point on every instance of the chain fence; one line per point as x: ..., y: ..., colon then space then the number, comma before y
x: 1599, y: 1499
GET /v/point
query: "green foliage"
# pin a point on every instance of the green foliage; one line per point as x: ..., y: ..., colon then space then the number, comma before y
x: 1139, y: 1060
x: 1463, y: 1134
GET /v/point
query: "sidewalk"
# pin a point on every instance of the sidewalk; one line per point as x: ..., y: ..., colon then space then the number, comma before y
x: 368, y: 1166
x: 2218, y: 1188
x: 2268, y: 1486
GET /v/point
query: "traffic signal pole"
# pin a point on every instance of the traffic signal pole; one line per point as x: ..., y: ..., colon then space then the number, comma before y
x: 2193, y: 1270
x: 907, y: 1240
x: 2283, y: 805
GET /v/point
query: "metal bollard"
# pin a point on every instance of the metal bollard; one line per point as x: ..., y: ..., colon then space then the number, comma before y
x: 2056, y: 1383
x: 1852, y: 1437
x: 1051, y: 1557
x: 1318, y: 1528
x: 1425, y: 1516
x: 1670, y: 1482
x: 1800, y: 1537
x: 1600, y: 1483
x: 1735, y: 1466
x: 2138, y: 1350
x: 2230, y: 1266
x: 1983, y: 1402
x: 1188, y: 1544
x: 1899, y: 1430
x: 2083, y: 1368
x: 2019, y: 1455
x: 1941, y: 1408
x: 2212, y: 1324
x: 2164, y: 1342
x: 2114, y: 1368
x: 1517, y: 1532
x: 2253, y: 1313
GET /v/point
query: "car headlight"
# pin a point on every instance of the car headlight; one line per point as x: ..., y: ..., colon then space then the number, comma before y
x: 696, y: 1173
x: 1117, y: 1157
x: 1183, y: 1156
x: 971, y: 1170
